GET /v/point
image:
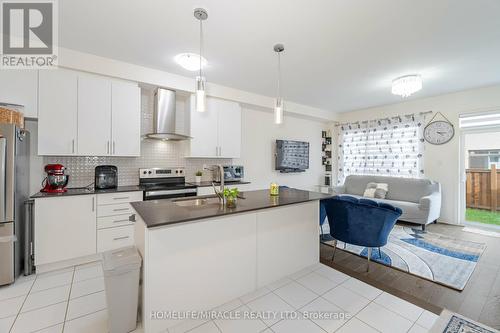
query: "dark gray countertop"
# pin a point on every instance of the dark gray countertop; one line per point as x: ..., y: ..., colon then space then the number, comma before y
x: 81, y: 191
x: 157, y: 213
x: 209, y: 183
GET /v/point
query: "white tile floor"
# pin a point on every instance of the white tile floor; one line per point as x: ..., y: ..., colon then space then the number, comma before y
x: 319, y: 289
x: 73, y: 301
x: 69, y: 300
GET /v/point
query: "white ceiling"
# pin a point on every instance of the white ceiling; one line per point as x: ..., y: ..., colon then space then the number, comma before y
x: 340, y: 55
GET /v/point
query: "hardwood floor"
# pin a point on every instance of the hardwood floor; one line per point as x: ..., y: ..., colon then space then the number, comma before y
x: 480, y: 300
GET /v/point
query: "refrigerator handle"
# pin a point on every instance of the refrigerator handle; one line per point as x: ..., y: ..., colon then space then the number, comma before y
x: 3, y: 179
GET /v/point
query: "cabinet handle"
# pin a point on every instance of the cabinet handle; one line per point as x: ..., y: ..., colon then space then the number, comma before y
x: 73, y: 146
x: 93, y: 204
x: 119, y: 209
x: 120, y: 238
x: 121, y: 198
x: 124, y: 220
x: 114, y: 146
x: 220, y: 151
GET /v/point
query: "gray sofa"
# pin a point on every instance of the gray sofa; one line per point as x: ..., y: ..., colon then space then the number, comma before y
x: 420, y: 199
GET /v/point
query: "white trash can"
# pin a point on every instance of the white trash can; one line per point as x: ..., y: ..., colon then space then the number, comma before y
x: 121, y: 278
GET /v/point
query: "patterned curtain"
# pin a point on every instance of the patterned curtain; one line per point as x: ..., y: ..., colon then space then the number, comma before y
x: 385, y: 147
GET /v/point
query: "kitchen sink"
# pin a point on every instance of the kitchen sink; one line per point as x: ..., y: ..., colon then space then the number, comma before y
x: 200, y: 201
x: 196, y: 202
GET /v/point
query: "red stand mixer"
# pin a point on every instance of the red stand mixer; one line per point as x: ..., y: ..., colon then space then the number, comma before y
x: 56, y: 180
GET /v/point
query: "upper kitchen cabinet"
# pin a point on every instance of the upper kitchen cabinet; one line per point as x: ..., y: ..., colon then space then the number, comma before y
x: 20, y: 87
x: 57, y: 112
x: 104, y: 112
x: 126, y: 119
x: 94, y: 115
x: 217, y: 131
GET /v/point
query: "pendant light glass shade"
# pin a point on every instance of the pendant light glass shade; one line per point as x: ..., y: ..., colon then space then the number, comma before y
x: 278, y: 111
x: 201, y: 98
x: 278, y: 104
x: 200, y: 94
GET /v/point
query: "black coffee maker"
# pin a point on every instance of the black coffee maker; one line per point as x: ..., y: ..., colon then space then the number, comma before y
x: 106, y: 176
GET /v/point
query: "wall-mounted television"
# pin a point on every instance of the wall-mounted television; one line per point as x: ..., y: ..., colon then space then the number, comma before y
x: 292, y: 156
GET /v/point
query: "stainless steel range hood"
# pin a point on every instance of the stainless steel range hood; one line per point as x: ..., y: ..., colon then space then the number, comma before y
x: 165, y: 114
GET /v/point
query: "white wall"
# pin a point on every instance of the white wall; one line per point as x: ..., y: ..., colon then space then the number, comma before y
x: 258, y: 145
x: 441, y: 162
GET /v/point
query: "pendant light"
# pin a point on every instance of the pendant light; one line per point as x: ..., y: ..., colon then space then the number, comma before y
x: 200, y: 96
x: 278, y: 105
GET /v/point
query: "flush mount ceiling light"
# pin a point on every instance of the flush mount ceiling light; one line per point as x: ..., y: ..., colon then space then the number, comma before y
x: 278, y: 105
x: 407, y: 85
x: 190, y: 61
x: 200, y: 96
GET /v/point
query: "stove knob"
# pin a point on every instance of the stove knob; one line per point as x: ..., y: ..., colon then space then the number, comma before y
x: 149, y: 172
x: 176, y: 171
x: 144, y: 172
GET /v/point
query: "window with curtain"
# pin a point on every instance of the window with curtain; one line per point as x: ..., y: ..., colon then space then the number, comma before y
x: 385, y: 147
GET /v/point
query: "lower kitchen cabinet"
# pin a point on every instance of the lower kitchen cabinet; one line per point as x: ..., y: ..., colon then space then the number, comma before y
x: 65, y: 228
x: 70, y: 227
x: 114, y: 238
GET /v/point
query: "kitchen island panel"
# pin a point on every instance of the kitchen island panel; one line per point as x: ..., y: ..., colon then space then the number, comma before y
x: 197, y: 266
x: 287, y: 241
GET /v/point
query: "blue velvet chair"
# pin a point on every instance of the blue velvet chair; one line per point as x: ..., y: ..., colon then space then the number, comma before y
x: 361, y: 222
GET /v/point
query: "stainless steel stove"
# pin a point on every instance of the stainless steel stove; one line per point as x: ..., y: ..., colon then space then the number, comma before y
x: 165, y: 183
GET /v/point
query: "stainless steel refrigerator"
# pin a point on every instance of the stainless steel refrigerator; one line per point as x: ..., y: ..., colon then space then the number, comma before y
x: 14, y: 191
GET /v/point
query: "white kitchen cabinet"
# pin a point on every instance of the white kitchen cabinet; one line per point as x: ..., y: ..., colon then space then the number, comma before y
x: 126, y: 119
x: 65, y: 228
x: 204, y: 130
x: 216, y: 133
x: 115, y: 238
x: 57, y: 112
x: 94, y: 115
x: 20, y: 87
x: 229, y: 124
x: 87, y: 115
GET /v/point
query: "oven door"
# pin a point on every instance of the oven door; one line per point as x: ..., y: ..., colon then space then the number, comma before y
x: 169, y: 194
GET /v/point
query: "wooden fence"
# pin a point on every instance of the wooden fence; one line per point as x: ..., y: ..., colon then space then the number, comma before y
x: 482, y: 188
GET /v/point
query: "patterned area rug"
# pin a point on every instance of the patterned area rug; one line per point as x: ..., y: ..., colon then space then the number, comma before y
x: 450, y: 322
x: 431, y: 256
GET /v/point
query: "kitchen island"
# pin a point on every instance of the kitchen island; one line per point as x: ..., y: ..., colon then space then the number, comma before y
x: 198, y: 255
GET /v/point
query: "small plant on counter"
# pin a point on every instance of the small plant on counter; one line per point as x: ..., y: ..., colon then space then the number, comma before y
x: 231, y: 196
x: 198, y: 175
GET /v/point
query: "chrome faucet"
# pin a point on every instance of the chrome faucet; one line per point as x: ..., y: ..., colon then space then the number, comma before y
x: 220, y: 192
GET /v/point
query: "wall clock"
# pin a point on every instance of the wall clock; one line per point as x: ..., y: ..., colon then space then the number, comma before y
x: 439, y: 132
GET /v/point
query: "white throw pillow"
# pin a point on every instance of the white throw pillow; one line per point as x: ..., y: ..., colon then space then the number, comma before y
x: 376, y: 190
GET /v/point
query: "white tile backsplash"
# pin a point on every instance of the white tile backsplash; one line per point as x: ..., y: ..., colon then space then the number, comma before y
x: 154, y: 153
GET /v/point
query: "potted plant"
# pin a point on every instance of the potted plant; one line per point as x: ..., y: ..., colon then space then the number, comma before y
x: 198, y: 176
x: 231, y: 196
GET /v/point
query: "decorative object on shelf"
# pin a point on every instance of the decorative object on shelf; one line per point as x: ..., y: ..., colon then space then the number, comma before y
x: 407, y: 85
x: 198, y: 175
x: 439, y: 132
x: 10, y: 115
x: 201, y: 15
x: 274, y: 189
x: 326, y: 149
x: 231, y: 196
x: 278, y: 106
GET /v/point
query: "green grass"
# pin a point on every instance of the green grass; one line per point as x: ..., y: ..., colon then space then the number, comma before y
x: 482, y: 216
